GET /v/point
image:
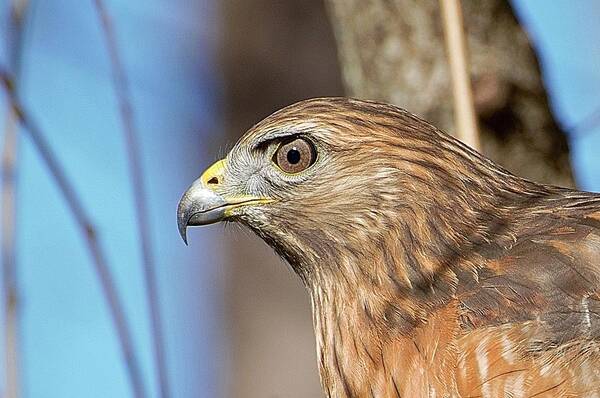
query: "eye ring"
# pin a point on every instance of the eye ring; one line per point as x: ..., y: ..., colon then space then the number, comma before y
x: 295, y: 155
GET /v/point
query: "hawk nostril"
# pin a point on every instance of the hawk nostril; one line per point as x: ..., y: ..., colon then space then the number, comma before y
x: 213, y: 181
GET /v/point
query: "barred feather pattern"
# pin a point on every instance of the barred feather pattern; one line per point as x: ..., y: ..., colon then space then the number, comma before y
x: 432, y: 271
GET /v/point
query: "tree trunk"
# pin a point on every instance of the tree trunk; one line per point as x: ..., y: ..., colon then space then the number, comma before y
x: 393, y: 51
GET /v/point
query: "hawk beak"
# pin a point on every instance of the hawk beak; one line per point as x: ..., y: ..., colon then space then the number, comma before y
x: 201, y: 204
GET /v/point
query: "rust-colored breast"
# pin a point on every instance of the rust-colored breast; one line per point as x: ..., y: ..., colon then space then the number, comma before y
x: 502, y: 362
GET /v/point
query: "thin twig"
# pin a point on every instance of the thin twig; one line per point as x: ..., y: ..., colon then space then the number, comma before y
x: 11, y: 316
x: 87, y: 229
x: 121, y: 85
x: 464, y: 110
x: 14, y: 44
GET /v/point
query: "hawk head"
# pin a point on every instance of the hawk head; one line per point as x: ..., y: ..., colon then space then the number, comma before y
x: 328, y: 181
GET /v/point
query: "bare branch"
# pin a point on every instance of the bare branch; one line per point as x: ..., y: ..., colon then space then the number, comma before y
x: 464, y: 110
x: 14, y: 35
x: 121, y: 85
x: 11, y: 318
x: 87, y: 229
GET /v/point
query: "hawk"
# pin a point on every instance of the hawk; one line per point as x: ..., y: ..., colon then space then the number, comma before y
x: 432, y: 271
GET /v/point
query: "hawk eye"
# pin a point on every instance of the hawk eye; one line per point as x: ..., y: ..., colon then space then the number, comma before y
x: 295, y: 156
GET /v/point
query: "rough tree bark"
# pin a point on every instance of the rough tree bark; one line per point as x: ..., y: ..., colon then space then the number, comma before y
x: 393, y: 51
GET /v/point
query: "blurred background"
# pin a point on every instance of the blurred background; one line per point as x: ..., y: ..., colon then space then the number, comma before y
x: 127, y: 102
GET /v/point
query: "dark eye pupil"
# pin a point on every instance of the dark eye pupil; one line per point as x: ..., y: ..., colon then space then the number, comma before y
x: 293, y: 156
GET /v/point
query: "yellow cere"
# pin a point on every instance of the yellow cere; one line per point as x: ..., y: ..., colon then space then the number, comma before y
x: 214, y: 171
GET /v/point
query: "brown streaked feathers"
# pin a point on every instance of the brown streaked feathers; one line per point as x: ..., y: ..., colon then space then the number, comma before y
x: 432, y: 271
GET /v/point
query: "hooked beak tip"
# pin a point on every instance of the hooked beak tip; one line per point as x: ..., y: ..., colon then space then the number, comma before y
x: 199, y: 206
x: 182, y: 223
x: 183, y: 233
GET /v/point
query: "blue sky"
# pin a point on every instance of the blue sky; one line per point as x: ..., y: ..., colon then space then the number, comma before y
x: 567, y: 36
x: 68, y: 341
